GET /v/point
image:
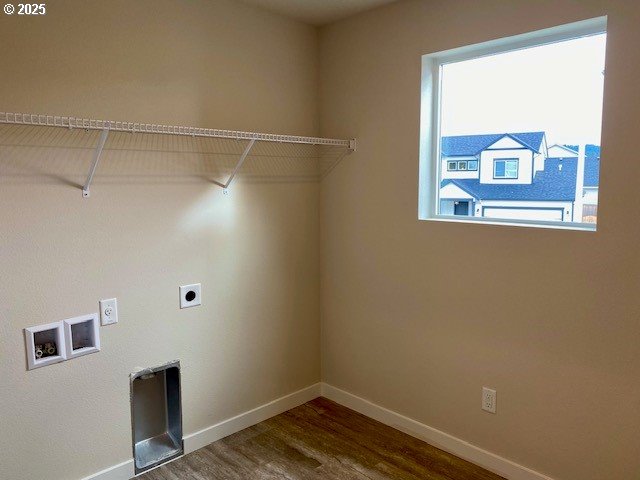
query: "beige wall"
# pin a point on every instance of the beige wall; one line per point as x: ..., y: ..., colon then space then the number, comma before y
x: 418, y: 316
x: 561, y: 345
x: 153, y: 222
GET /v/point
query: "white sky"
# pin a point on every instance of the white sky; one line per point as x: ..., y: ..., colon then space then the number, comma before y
x: 554, y: 88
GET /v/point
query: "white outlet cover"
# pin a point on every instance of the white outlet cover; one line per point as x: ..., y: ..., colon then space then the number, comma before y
x: 488, y: 400
x: 108, y: 311
x: 190, y: 295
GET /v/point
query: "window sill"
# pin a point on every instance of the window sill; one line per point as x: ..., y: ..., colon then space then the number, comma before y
x: 583, y: 227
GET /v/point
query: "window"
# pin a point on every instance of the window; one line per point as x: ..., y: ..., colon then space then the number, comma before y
x: 505, y: 168
x: 462, y: 166
x: 527, y: 144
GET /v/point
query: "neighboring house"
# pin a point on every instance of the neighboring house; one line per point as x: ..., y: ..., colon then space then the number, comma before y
x: 514, y: 175
x: 591, y: 176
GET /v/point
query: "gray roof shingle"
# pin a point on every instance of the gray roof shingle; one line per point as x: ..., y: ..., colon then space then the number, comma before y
x: 466, y: 145
x: 591, y: 164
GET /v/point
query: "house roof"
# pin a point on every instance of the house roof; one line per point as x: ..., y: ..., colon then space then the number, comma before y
x: 550, y: 184
x: 465, y: 145
x: 569, y: 151
x: 590, y: 150
x: 592, y: 171
x: 591, y: 163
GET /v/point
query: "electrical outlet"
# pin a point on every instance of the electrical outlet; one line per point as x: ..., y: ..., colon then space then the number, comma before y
x: 190, y: 295
x: 108, y: 311
x: 489, y: 399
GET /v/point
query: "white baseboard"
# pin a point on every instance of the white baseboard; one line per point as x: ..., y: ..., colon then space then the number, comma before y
x: 122, y: 471
x: 209, y: 435
x: 202, y: 438
x: 437, y: 438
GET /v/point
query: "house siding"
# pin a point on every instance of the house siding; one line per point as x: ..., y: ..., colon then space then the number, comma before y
x: 525, y: 165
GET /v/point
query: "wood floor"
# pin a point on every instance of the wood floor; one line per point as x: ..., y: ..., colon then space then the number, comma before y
x: 319, y: 440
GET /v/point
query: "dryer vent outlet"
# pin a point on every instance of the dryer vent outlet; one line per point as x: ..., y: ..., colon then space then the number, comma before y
x: 190, y: 295
x: 156, y: 414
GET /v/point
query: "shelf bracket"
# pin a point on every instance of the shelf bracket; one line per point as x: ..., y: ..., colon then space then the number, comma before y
x: 86, y: 193
x: 243, y: 157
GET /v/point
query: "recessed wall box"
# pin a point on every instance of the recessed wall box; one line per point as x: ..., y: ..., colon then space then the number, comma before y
x: 45, y: 345
x: 156, y: 416
x: 82, y: 335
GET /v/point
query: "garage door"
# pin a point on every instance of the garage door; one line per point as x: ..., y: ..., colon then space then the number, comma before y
x: 524, y: 213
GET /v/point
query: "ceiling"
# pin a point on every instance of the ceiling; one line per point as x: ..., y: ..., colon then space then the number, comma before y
x: 318, y: 12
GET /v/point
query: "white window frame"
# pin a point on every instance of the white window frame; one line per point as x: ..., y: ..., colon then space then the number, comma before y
x: 505, y: 176
x: 430, y: 115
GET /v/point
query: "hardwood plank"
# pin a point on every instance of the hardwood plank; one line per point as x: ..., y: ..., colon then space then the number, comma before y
x: 320, y: 440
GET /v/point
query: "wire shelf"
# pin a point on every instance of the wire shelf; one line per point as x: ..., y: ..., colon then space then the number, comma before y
x: 107, y: 126
x: 134, y: 127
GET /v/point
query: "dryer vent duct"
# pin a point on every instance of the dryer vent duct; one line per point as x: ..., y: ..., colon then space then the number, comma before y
x: 156, y: 415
